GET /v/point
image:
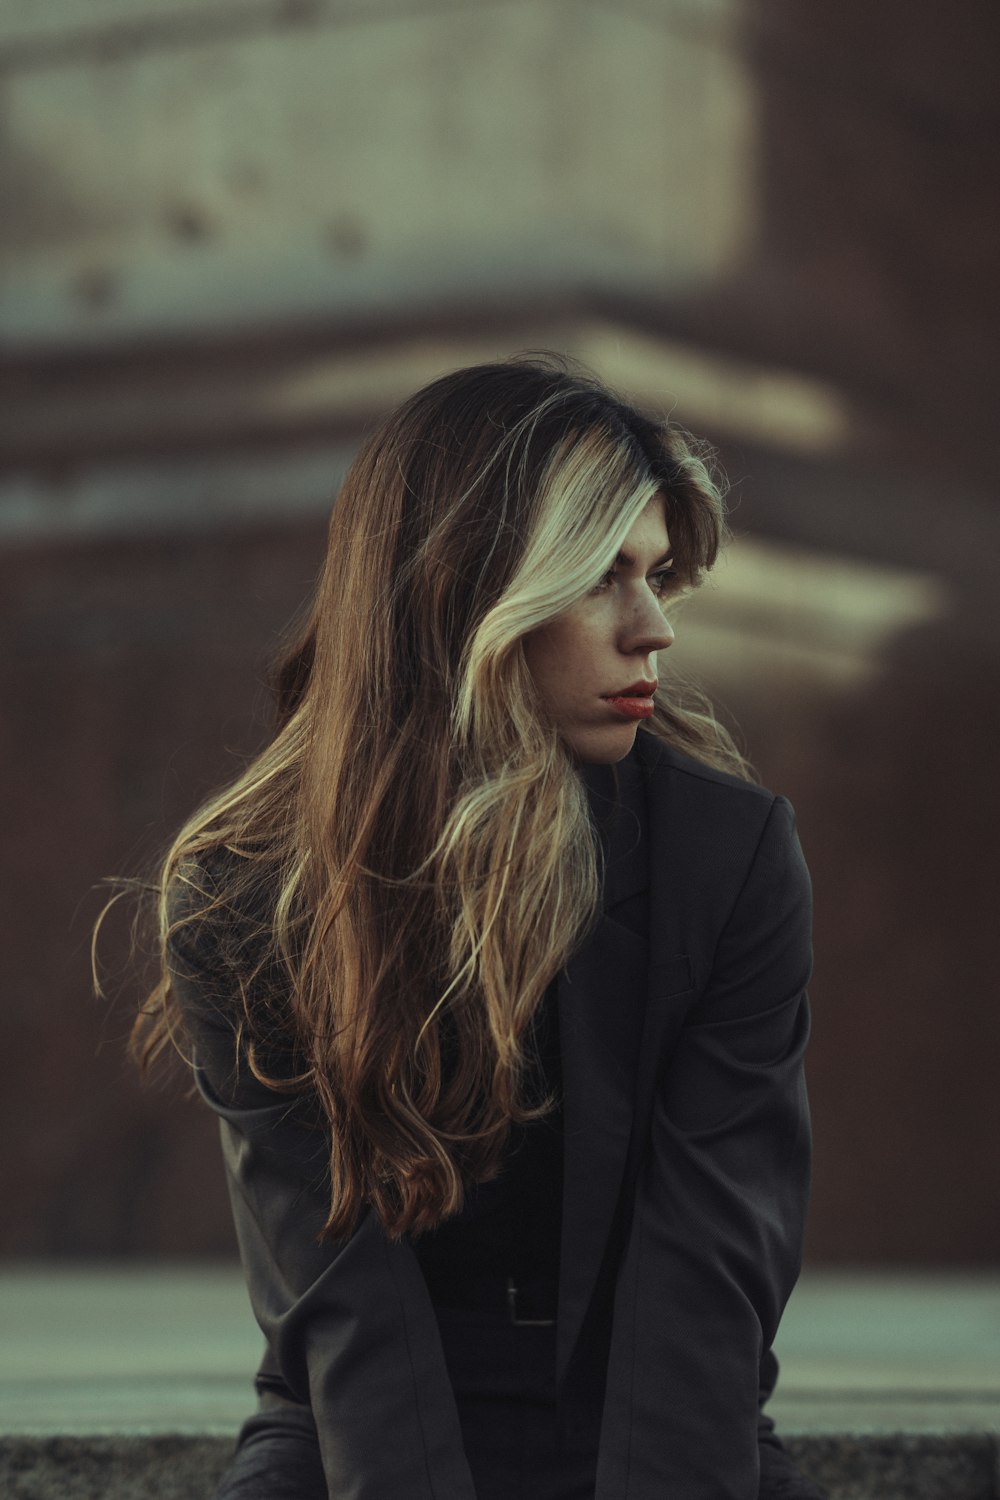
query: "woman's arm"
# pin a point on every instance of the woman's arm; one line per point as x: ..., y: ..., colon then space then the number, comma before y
x: 715, y: 1244
x: 350, y: 1325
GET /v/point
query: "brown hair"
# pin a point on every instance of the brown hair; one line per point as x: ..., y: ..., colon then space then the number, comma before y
x: 419, y: 833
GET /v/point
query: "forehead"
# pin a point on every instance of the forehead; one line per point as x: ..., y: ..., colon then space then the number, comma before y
x: 648, y: 532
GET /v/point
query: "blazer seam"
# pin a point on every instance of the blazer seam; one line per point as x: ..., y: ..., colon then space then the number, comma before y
x: 633, y: 1341
x: 750, y: 866
x: 413, y: 1374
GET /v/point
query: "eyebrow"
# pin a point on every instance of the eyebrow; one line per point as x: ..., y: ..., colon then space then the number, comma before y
x: 629, y: 562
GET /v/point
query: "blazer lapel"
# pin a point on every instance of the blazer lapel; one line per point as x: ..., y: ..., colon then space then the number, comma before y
x: 601, y: 1000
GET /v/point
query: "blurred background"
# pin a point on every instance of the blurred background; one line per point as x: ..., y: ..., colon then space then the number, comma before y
x: 235, y: 232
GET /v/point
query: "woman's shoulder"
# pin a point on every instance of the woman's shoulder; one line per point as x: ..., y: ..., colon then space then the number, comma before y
x: 713, y: 814
x: 662, y: 765
x: 219, y: 904
x: 715, y: 829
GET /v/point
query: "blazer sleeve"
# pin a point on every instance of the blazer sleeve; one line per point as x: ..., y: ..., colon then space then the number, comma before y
x: 715, y: 1243
x: 350, y: 1325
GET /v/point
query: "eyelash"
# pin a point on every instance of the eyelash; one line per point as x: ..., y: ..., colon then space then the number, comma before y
x: 663, y: 576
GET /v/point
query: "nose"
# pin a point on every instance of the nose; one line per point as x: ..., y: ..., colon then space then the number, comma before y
x: 648, y: 629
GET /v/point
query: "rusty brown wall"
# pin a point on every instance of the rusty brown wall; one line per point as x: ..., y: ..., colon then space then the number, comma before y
x: 134, y: 680
x: 132, y: 666
x: 134, y: 683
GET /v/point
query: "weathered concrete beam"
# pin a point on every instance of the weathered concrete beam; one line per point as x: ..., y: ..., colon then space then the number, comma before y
x: 321, y: 171
x: 331, y: 384
x: 242, y: 431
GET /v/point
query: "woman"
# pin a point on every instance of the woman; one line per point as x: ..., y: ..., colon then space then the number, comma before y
x: 493, y: 967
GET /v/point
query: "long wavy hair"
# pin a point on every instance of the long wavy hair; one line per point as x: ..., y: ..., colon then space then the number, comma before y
x: 391, y: 885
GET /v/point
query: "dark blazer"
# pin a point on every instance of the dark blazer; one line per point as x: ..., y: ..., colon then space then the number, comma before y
x: 683, y: 1021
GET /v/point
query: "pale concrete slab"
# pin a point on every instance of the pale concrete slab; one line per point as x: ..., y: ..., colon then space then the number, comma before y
x: 129, y: 1349
x: 890, y: 1352
x: 126, y: 1349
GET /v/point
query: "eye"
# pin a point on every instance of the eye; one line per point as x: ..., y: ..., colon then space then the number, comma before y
x: 662, y: 580
x: 605, y: 582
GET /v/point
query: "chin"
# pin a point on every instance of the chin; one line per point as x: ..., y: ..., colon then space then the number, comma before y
x: 603, y: 747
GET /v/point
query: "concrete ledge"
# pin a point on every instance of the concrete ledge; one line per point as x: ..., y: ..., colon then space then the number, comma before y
x: 167, y: 1467
x: 185, y: 1467
x: 901, y: 1466
x: 131, y: 1382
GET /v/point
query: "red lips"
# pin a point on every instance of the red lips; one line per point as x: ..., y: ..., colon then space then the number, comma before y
x: 634, y: 702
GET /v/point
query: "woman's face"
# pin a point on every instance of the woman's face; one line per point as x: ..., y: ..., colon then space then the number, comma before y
x: 595, y: 664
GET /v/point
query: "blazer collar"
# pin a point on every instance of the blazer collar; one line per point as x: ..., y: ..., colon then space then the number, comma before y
x: 601, y: 997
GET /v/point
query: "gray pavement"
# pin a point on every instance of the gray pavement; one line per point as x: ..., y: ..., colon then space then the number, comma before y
x: 139, y: 1349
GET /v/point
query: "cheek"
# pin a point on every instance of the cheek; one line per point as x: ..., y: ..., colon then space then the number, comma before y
x: 561, y: 656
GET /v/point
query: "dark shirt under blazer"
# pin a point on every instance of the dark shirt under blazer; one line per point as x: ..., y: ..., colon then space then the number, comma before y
x: 682, y: 1021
